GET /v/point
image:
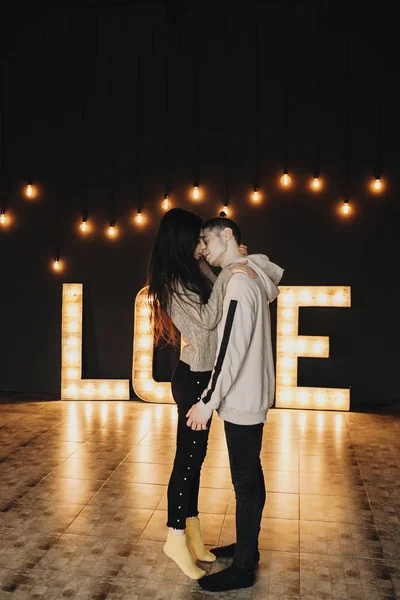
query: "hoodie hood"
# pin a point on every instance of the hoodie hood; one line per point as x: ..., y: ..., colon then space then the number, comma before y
x: 269, y: 273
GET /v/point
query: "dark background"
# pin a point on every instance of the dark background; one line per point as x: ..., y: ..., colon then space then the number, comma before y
x: 75, y: 129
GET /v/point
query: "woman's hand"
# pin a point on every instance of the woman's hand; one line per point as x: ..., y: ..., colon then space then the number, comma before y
x: 242, y: 267
x: 243, y: 250
x: 206, y: 269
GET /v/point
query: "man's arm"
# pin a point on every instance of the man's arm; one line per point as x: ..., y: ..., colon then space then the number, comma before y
x: 235, y: 333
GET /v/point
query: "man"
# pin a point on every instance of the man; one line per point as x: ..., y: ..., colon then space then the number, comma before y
x: 241, y: 389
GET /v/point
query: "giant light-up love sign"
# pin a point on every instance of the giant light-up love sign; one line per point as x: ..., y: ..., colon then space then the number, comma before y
x: 289, y: 347
x: 73, y: 387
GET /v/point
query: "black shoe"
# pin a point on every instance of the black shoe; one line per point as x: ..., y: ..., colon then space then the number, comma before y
x: 229, y: 552
x: 233, y: 578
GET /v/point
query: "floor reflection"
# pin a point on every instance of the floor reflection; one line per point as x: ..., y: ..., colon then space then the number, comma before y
x: 83, y: 503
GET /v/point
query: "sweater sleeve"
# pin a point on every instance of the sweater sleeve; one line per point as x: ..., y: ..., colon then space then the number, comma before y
x: 234, y: 337
x: 186, y: 306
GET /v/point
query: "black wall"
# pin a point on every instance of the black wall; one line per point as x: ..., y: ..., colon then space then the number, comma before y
x: 303, y: 232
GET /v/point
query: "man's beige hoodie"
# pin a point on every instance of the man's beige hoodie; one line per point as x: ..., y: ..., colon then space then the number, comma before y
x: 242, y: 384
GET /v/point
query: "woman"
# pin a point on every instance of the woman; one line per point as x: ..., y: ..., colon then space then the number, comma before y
x: 183, y: 298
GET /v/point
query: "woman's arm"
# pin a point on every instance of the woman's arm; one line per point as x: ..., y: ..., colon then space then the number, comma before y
x: 208, y: 272
x: 187, y: 305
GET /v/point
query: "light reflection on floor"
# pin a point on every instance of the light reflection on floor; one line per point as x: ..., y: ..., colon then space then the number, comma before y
x: 83, y: 503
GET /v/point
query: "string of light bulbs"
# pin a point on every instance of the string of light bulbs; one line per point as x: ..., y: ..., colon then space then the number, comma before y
x: 377, y: 184
x: 196, y: 132
x: 346, y: 208
x: 30, y: 190
x: 225, y: 210
x: 316, y: 184
x: 85, y: 225
x: 112, y: 229
x: 285, y: 179
x: 256, y: 189
x: 57, y: 264
x: 166, y: 204
x: 3, y: 215
x: 139, y: 218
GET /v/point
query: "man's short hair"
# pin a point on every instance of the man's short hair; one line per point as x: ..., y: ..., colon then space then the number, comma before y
x: 220, y: 223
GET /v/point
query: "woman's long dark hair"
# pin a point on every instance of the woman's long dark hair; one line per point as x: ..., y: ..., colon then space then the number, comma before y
x: 172, y: 264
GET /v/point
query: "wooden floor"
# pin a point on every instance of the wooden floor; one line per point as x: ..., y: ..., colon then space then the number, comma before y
x: 83, y: 504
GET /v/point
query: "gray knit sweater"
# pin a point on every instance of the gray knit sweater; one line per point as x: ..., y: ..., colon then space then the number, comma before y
x: 198, y: 322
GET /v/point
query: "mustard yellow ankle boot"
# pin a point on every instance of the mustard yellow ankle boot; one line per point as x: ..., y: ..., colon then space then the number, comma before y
x: 176, y: 548
x: 195, y: 541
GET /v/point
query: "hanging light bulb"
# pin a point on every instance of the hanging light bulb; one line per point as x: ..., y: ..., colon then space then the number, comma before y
x: 225, y: 209
x: 346, y: 207
x: 57, y: 264
x: 285, y: 180
x: 111, y: 230
x: 139, y: 217
x: 83, y: 226
x: 3, y: 217
x: 377, y: 185
x: 165, y: 203
x: 196, y: 193
x: 256, y: 195
x: 30, y: 191
x: 316, y: 183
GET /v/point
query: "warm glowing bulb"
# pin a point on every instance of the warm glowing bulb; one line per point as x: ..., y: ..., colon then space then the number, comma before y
x: 285, y: 179
x: 196, y: 192
x: 318, y: 348
x: 72, y: 389
x: 111, y: 231
x: 56, y: 265
x: 256, y: 195
x: 139, y: 217
x: 159, y: 392
x: 83, y: 226
x: 165, y: 203
x: 377, y: 185
x: 346, y: 208
x: 225, y: 209
x: 89, y: 389
x: 72, y: 357
x: 29, y: 191
x: 2, y: 218
x: 316, y: 183
x: 73, y: 311
x: 73, y: 373
x: 73, y: 326
x: 145, y: 342
x: 72, y: 342
x: 120, y: 389
x: 145, y: 327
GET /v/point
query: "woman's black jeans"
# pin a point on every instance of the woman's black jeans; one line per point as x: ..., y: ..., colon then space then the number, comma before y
x: 191, y: 447
x: 244, y: 446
